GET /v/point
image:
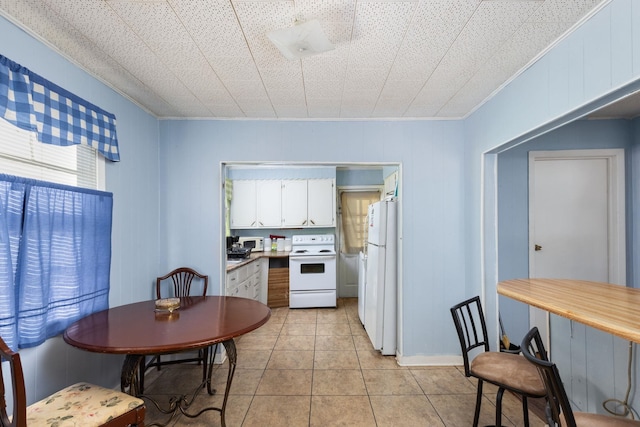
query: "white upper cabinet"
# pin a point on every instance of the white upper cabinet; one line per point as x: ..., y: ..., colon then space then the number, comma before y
x: 243, y: 204
x: 269, y: 212
x: 321, y: 196
x: 294, y: 203
x: 391, y: 184
x: 291, y: 203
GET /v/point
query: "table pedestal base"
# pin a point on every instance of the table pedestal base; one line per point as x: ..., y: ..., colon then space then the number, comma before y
x: 130, y: 383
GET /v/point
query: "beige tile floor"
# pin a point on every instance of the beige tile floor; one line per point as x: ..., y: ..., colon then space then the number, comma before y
x: 316, y: 367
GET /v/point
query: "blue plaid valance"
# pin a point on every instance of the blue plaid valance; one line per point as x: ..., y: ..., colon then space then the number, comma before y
x: 57, y: 116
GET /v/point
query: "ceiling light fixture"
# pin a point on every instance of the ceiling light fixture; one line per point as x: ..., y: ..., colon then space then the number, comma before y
x: 301, y: 40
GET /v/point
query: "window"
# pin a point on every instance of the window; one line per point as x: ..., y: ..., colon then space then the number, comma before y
x: 354, y: 210
x: 21, y: 154
x: 55, y: 236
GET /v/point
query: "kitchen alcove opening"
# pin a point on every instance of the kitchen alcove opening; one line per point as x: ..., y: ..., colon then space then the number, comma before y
x: 351, y: 176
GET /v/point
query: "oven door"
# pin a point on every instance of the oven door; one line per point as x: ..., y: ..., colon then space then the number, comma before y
x: 310, y: 273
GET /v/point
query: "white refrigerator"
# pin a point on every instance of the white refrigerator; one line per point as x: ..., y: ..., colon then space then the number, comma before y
x: 380, y: 285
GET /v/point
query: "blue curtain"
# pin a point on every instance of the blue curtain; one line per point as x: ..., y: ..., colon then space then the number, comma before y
x: 58, y: 117
x: 61, y: 273
x: 11, y: 208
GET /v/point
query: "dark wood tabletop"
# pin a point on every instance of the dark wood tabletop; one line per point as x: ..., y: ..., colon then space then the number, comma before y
x: 139, y: 329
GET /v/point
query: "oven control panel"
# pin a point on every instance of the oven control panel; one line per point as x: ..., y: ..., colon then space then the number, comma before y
x: 313, y: 239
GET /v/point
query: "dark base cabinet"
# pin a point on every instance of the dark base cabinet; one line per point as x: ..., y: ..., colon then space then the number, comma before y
x: 278, y: 283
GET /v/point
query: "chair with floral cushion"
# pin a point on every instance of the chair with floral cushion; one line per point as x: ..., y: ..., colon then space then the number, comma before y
x: 81, y: 404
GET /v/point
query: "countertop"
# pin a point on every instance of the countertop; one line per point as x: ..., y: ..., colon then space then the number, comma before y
x: 604, y: 306
x: 256, y: 255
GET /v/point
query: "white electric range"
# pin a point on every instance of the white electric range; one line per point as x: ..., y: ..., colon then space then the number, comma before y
x: 312, y: 271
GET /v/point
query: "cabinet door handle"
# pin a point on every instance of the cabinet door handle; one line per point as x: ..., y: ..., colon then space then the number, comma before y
x: 312, y: 222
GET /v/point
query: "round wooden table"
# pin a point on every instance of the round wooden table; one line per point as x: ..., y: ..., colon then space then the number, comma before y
x: 139, y: 329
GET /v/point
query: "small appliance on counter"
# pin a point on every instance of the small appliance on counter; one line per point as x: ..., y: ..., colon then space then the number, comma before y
x: 255, y: 243
x: 238, y: 253
x: 235, y: 250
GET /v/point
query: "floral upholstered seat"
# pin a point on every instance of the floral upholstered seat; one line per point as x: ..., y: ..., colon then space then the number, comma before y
x: 81, y: 404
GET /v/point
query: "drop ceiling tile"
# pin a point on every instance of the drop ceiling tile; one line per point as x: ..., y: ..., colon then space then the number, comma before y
x: 562, y: 10
x: 323, y: 112
x: 225, y: 110
x: 388, y: 112
x: 356, y: 112
x: 154, y: 22
x: 360, y: 97
x: 401, y: 89
x: 385, y: 22
x: 433, y: 95
x: 258, y: 18
x: 318, y: 89
x: 213, y: 26
x: 324, y: 102
x: 249, y: 103
x: 290, y: 111
x: 260, y: 113
x: 234, y: 67
x: 421, y: 111
x: 339, y: 34
x: 287, y: 97
x: 245, y: 88
x: 293, y: 91
x: 330, y: 71
x: 375, y: 76
x: 326, y: 10
x: 292, y: 71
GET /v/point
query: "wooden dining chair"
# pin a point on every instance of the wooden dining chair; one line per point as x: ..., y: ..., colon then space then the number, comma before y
x: 179, y: 285
x: 505, y: 370
x: 81, y: 404
x: 559, y: 412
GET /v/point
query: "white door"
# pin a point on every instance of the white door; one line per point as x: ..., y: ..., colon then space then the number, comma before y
x: 576, y: 218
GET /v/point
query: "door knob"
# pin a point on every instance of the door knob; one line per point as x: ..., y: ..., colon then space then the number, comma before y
x: 537, y: 248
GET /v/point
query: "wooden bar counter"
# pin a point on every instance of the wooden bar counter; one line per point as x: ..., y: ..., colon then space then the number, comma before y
x: 611, y: 308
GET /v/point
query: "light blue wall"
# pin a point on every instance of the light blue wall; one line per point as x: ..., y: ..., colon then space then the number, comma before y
x: 432, y: 199
x: 601, y: 56
x: 135, y: 237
